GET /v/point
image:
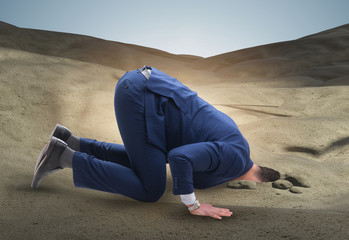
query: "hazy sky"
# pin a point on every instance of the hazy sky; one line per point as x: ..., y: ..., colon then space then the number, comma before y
x: 198, y: 27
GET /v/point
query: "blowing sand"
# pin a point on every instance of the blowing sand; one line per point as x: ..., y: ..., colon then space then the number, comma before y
x: 290, y: 100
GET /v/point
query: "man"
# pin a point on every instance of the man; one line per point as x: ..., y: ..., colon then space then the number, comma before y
x: 160, y: 121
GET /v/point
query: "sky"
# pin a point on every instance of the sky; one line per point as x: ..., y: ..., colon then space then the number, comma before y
x: 197, y: 27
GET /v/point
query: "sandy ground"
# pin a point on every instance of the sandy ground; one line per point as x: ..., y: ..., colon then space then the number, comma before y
x: 290, y: 100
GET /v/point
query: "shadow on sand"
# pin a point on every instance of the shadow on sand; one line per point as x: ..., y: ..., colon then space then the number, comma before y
x: 315, y: 152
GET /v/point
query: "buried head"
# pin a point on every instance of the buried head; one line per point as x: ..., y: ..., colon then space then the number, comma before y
x: 260, y: 174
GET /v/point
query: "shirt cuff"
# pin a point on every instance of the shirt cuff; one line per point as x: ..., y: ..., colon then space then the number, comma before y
x: 188, y: 199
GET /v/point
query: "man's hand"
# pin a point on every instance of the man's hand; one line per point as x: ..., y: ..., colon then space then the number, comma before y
x: 209, y: 210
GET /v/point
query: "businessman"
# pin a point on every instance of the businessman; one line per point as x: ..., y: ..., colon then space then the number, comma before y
x: 160, y: 121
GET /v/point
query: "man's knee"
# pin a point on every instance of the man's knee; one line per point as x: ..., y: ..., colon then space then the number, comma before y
x: 154, y: 194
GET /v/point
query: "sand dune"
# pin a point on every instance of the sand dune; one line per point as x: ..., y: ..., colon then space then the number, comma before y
x: 302, y: 57
x: 290, y: 99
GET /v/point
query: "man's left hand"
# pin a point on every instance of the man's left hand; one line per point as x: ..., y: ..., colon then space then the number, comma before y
x: 214, y: 212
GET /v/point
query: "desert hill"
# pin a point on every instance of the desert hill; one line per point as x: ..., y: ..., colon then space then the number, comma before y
x: 84, y: 48
x: 321, y: 56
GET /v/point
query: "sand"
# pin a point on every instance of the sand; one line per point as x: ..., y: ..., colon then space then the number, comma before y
x: 290, y: 100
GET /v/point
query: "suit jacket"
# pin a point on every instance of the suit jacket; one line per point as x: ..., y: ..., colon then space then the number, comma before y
x: 176, y: 116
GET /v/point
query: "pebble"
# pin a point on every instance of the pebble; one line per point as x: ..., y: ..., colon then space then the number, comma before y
x: 295, y: 190
x: 242, y: 184
x: 297, y: 180
x: 282, y: 184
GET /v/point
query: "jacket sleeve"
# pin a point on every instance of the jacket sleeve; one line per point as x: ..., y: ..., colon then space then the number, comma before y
x: 182, y: 172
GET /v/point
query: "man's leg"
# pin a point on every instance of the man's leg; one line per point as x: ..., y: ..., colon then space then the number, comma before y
x: 105, y: 151
x: 110, y: 152
x: 146, y: 179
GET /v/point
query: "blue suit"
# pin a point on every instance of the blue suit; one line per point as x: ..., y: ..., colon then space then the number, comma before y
x: 162, y: 121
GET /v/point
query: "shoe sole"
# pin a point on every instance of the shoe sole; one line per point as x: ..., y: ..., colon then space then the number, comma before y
x: 41, y: 155
x: 39, y: 173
